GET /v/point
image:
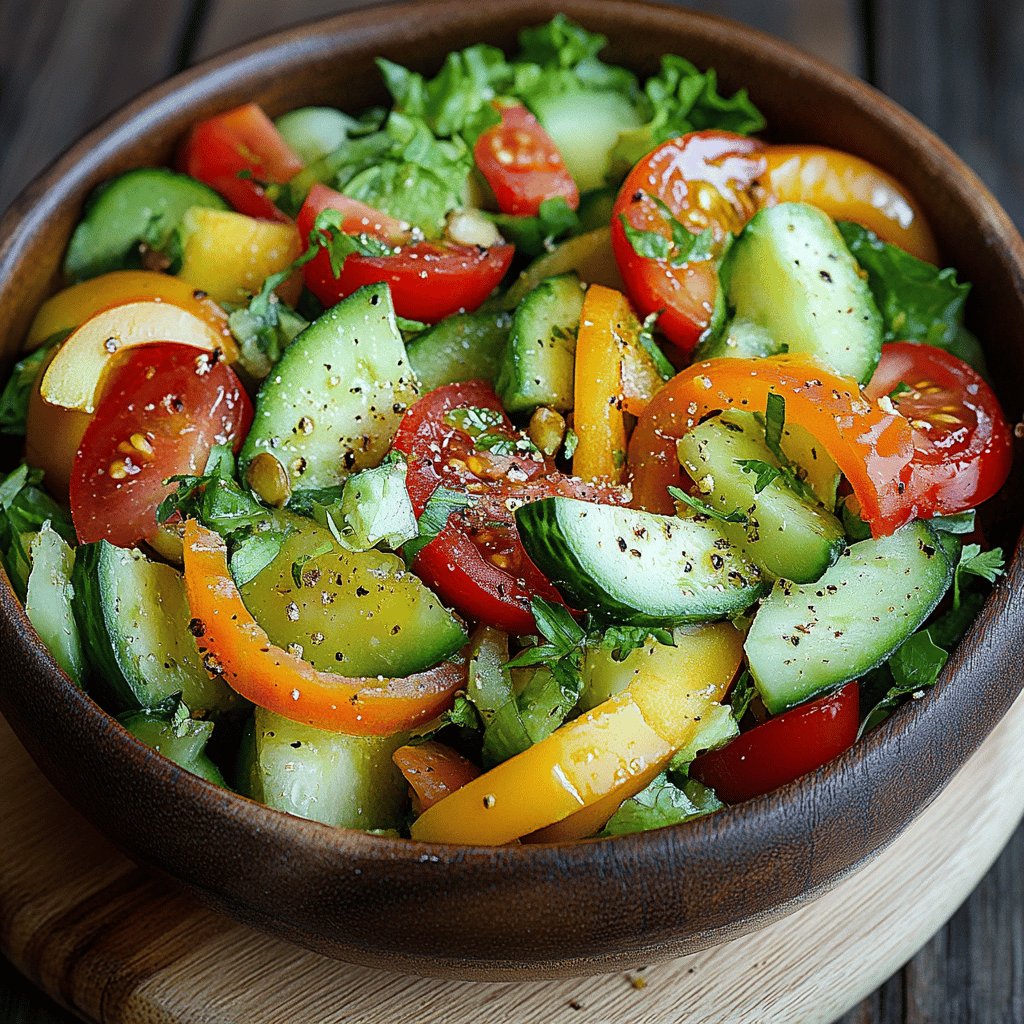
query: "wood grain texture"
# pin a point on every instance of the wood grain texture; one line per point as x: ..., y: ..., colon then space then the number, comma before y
x: 119, y: 946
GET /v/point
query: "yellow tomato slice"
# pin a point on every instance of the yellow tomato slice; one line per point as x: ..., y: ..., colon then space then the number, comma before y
x: 614, y: 749
x: 229, y: 255
x: 849, y: 188
x: 73, y: 380
x: 73, y: 306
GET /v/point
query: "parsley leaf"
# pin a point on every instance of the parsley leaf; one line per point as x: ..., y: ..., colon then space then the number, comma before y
x: 682, y: 248
x: 646, y: 341
x: 704, y: 509
x: 622, y: 640
x: 763, y: 472
x: 434, y: 518
x: 474, y: 420
x: 775, y: 424
x: 535, y: 235
x: 563, y: 651
x: 960, y: 523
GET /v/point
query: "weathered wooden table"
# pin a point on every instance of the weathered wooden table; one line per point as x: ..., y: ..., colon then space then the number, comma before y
x: 956, y: 64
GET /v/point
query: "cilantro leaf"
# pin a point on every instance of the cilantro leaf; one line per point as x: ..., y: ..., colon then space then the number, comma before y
x: 660, y: 804
x: 646, y: 340
x: 682, y: 248
x: 434, y: 518
x: 987, y: 565
x: 622, y: 640
x: 704, y: 509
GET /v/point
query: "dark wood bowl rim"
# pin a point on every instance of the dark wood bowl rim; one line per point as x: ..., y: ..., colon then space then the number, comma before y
x: 905, y: 735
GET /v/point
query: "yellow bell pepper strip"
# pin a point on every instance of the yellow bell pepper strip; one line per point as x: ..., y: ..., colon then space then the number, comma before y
x: 229, y: 255
x: 433, y: 772
x: 613, y: 374
x: 233, y: 645
x: 873, y: 447
x: 74, y: 378
x: 600, y: 754
x: 849, y: 188
x: 73, y: 306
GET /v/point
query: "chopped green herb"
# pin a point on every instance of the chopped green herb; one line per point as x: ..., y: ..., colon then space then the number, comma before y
x: 297, y: 566
x: 704, y: 509
x: 763, y: 472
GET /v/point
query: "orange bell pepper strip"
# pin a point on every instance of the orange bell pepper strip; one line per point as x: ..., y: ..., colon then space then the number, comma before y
x: 233, y: 645
x: 433, y: 771
x: 613, y: 375
x: 871, y: 446
x: 73, y: 306
x: 849, y: 188
x: 602, y: 754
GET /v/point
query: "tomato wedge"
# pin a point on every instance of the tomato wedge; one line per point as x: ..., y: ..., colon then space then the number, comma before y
x: 234, y: 646
x: 873, y: 447
x: 963, y: 446
x: 476, y: 563
x: 162, y: 411
x: 522, y: 164
x: 236, y: 153
x: 433, y: 770
x: 428, y: 280
x: 705, y: 180
x: 783, y: 748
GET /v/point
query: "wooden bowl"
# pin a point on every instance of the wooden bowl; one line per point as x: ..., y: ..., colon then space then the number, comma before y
x: 522, y: 911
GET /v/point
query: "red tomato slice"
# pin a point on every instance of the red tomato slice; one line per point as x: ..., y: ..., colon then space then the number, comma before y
x: 245, y: 142
x: 522, y: 164
x: 428, y: 280
x: 962, y: 443
x: 162, y: 411
x: 707, y: 180
x: 783, y: 748
x: 477, y: 563
x: 433, y: 770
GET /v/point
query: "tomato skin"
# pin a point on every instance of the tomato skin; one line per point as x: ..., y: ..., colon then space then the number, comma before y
x: 963, y: 447
x: 433, y: 770
x: 522, y: 164
x: 240, y: 140
x: 782, y: 749
x: 428, y: 280
x: 162, y: 410
x: 477, y: 564
x: 706, y: 179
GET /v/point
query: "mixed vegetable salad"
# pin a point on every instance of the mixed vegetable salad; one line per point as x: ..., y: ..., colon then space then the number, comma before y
x: 543, y: 457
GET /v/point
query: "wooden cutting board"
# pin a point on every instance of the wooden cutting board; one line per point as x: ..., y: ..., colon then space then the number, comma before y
x: 119, y: 946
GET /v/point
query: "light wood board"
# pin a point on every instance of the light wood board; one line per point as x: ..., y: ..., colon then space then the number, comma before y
x: 118, y: 946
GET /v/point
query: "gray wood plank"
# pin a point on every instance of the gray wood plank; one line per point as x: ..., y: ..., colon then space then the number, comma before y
x: 957, y: 67
x: 66, y: 65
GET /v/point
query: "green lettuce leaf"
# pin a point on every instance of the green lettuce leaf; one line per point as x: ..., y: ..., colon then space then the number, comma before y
x: 18, y: 389
x: 662, y: 803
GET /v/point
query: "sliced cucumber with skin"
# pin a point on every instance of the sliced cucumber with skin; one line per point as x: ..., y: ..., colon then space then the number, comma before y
x: 356, y: 613
x: 144, y: 205
x: 49, y: 600
x: 589, y: 256
x: 184, y: 743
x: 313, y: 132
x: 540, y: 360
x: 340, y: 780
x: 783, y: 534
x: 333, y: 403
x: 585, y: 125
x: 637, y: 568
x: 466, y: 346
x: 134, y: 618
x: 792, y: 285
x: 813, y: 464
x: 810, y: 639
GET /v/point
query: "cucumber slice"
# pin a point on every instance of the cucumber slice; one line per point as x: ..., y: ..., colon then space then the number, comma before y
x: 540, y: 358
x: 144, y: 205
x: 356, y: 613
x: 815, y: 466
x: 585, y: 125
x: 638, y: 568
x: 346, y: 781
x: 333, y: 402
x: 589, y: 256
x: 49, y: 600
x: 183, y: 743
x: 807, y: 640
x: 784, y: 535
x: 134, y: 619
x: 313, y: 132
x: 790, y: 281
x: 467, y: 346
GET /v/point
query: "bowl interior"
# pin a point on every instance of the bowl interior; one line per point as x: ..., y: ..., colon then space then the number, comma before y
x: 551, y: 910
